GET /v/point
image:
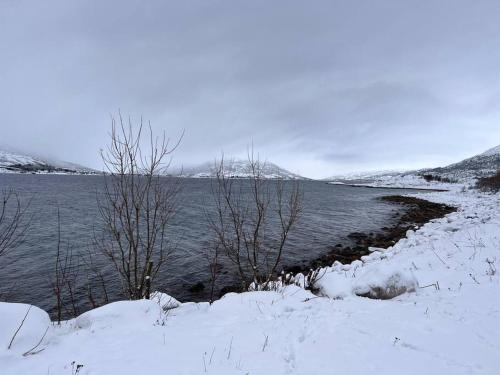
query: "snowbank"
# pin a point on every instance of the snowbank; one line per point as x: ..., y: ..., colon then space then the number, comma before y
x: 442, y: 318
x: 22, y: 327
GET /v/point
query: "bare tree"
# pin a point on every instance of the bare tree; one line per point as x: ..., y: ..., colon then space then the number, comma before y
x: 14, y: 221
x: 96, y: 280
x: 137, y: 205
x: 212, y: 256
x: 65, y: 278
x: 252, y: 220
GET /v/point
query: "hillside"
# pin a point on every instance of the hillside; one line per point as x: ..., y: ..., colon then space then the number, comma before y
x: 360, y: 176
x: 239, y: 168
x: 481, y: 165
x: 11, y: 162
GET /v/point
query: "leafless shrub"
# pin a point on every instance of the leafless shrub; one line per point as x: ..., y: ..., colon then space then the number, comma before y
x: 34, y: 350
x: 489, y: 183
x: 438, y: 178
x: 96, y: 283
x: 65, y: 277
x: 137, y: 205
x: 243, y: 221
x: 19, y: 327
x: 214, y: 268
x: 313, y: 277
x: 14, y: 220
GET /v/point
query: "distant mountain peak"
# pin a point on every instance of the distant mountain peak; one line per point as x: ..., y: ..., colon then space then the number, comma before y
x: 484, y: 164
x: 239, y: 168
x: 15, y: 162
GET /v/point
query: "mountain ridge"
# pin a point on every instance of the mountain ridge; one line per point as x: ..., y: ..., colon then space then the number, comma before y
x: 481, y: 165
x: 16, y: 162
x: 239, y: 168
x: 484, y: 164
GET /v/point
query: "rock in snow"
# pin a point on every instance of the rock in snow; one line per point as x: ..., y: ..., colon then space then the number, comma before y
x: 385, y: 282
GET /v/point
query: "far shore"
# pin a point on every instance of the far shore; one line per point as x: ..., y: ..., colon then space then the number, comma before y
x: 385, y: 187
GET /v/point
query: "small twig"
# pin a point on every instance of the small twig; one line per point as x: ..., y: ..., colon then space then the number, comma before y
x: 230, y: 347
x: 473, y: 278
x: 211, y: 355
x: 75, y: 370
x: 265, y: 343
x: 31, y: 351
x: 442, y: 261
x: 257, y: 303
x: 19, y: 328
x: 310, y: 298
x: 435, y: 285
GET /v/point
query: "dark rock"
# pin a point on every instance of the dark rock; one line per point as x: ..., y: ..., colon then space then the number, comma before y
x: 197, y: 288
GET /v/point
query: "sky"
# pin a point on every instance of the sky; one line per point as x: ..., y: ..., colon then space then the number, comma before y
x: 318, y: 87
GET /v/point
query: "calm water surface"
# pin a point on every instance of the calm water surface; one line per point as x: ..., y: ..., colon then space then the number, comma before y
x: 331, y: 212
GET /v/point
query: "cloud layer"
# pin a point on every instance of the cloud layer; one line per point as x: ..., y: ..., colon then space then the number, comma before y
x: 318, y: 87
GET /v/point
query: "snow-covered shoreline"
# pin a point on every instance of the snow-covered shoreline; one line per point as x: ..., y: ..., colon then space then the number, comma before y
x: 448, y: 322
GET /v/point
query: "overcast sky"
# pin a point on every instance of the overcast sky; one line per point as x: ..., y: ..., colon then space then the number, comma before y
x: 320, y: 88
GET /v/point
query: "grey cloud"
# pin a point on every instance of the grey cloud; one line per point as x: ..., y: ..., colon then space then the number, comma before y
x: 325, y: 87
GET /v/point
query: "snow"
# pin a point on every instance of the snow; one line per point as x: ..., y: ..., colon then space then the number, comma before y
x: 481, y: 165
x: 409, y: 181
x: 384, y: 282
x: 445, y: 318
x: 365, y: 175
x: 165, y: 301
x: 32, y: 329
x: 239, y: 168
x: 492, y: 151
x: 8, y: 160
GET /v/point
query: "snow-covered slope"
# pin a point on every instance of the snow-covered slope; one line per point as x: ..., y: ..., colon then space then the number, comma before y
x: 239, y: 168
x: 491, y: 152
x: 484, y: 164
x: 465, y: 171
x: 11, y: 162
x: 364, y: 175
x: 8, y: 159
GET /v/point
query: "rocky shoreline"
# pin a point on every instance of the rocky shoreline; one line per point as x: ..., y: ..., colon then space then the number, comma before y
x: 418, y: 212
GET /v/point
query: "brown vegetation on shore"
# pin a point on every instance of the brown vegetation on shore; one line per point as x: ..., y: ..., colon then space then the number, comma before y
x: 489, y: 183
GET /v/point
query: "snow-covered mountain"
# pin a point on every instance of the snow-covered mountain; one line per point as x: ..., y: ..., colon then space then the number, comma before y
x: 364, y: 175
x: 239, y: 168
x: 484, y: 164
x: 12, y: 162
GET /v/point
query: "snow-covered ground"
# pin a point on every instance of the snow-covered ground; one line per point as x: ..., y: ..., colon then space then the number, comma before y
x: 447, y: 321
x: 406, y: 181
